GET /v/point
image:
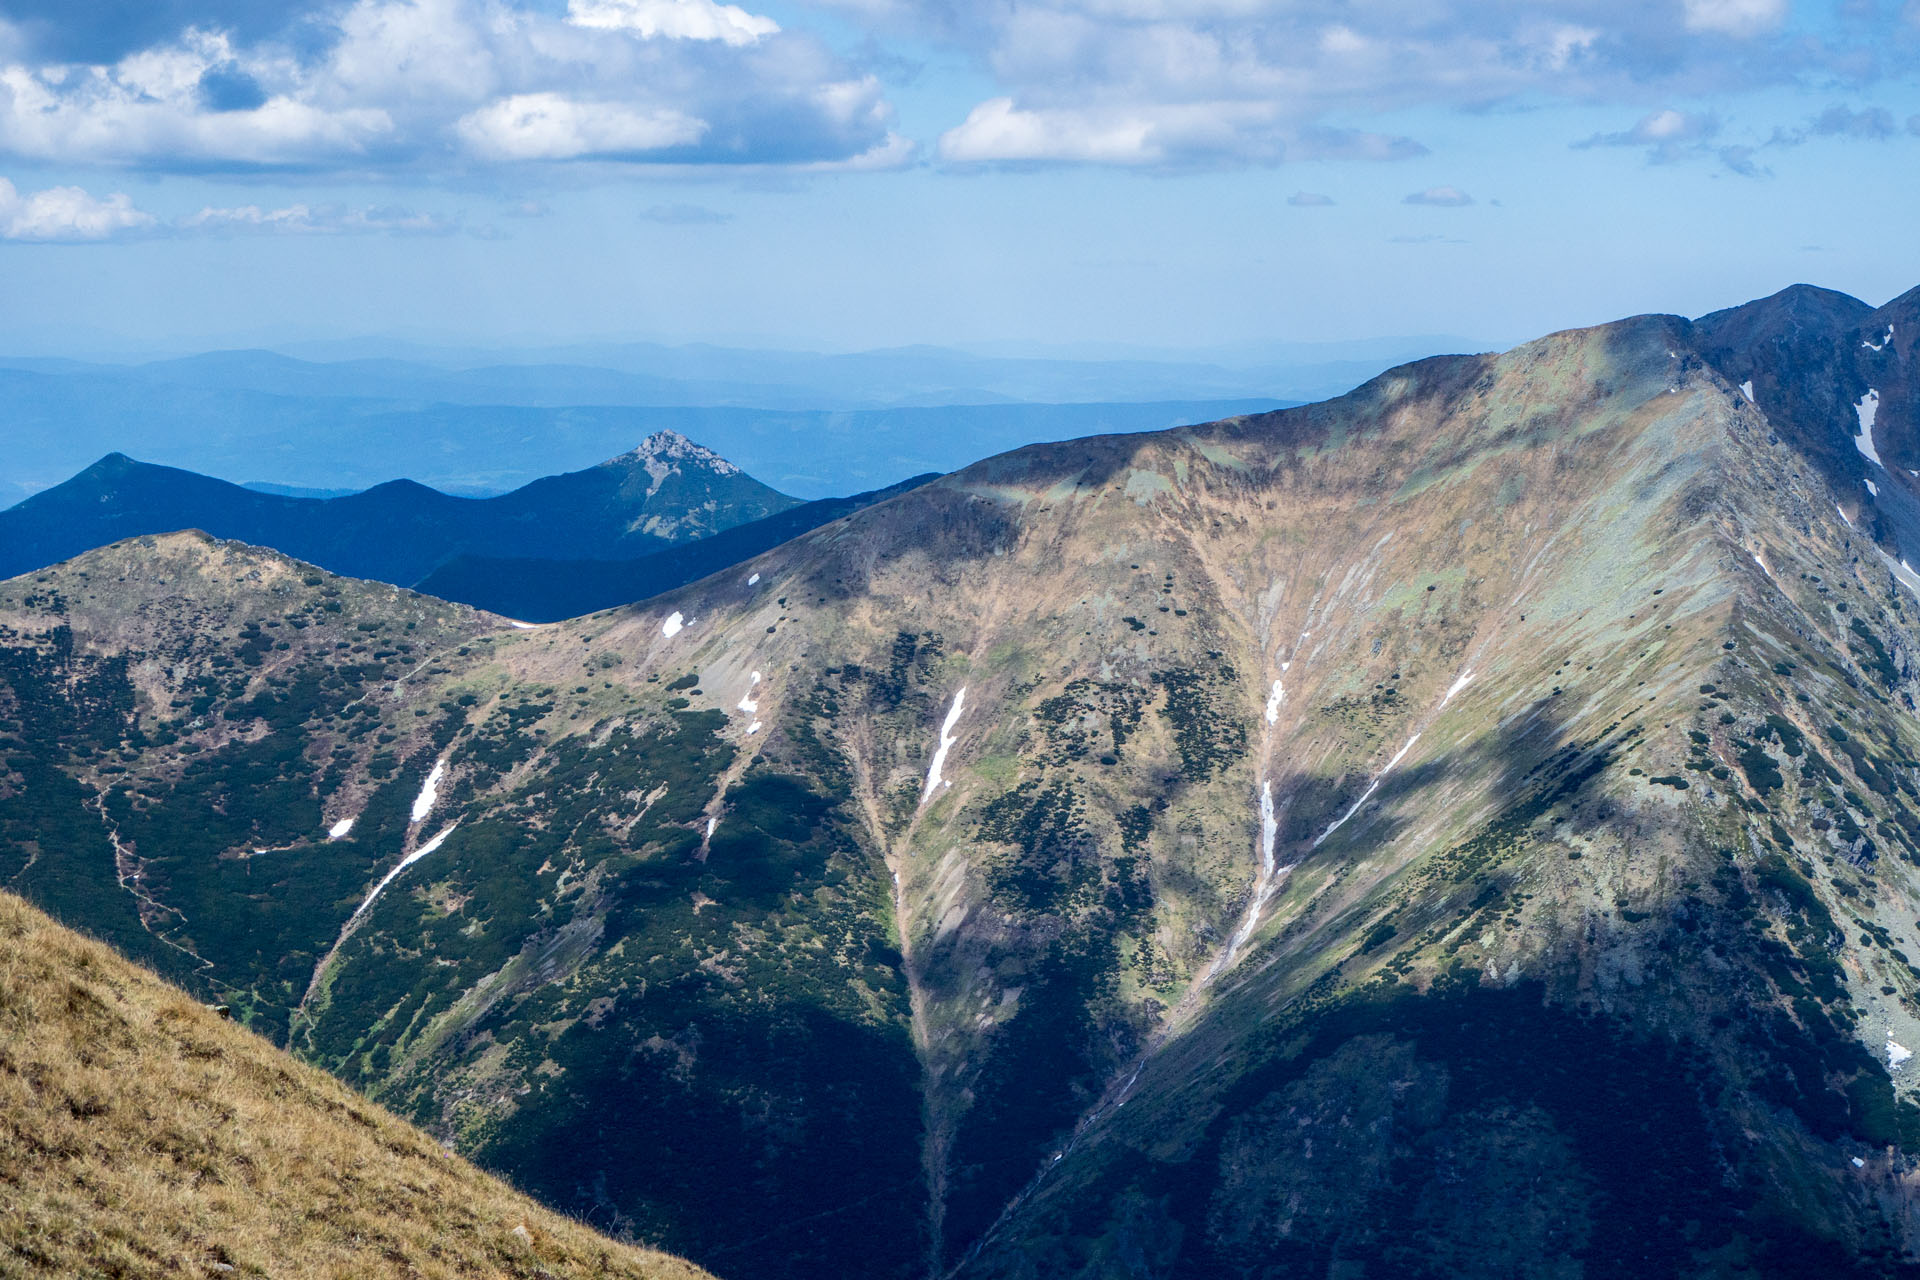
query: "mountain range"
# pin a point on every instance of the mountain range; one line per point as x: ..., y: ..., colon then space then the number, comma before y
x: 255, y: 416
x: 1468, y: 826
x: 654, y: 518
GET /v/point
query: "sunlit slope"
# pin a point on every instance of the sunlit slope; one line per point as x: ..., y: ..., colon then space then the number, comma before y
x: 1454, y: 627
x: 1412, y: 791
x: 140, y: 1134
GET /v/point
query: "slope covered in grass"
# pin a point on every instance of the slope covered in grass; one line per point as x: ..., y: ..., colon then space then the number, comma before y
x: 143, y: 1135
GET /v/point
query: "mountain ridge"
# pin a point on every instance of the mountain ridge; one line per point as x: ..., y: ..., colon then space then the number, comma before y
x: 666, y: 490
x: 1470, y: 823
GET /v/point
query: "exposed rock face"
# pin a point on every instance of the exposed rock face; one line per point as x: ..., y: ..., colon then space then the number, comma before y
x: 1466, y: 826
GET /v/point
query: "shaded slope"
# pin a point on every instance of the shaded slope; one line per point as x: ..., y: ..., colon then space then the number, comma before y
x: 144, y: 1135
x: 1836, y: 379
x: 666, y: 491
x: 549, y: 590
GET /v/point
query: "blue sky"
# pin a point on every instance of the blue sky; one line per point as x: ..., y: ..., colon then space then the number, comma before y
x: 856, y: 173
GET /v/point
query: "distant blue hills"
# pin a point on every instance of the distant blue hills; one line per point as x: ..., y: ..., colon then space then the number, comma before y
x: 661, y: 515
x: 485, y: 423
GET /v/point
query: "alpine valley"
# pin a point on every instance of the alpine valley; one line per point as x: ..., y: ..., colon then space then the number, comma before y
x: 1466, y: 827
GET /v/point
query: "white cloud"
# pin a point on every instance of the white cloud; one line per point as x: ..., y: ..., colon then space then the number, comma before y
x: 674, y: 19
x: 997, y: 130
x: 398, y: 52
x: 382, y: 84
x: 67, y: 213
x: 1668, y: 135
x: 549, y: 126
x: 1742, y: 18
x: 150, y: 103
x: 1129, y: 82
x: 1193, y: 133
x: 1309, y: 200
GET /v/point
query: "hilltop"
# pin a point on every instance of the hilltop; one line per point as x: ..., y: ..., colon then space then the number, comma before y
x: 145, y: 1135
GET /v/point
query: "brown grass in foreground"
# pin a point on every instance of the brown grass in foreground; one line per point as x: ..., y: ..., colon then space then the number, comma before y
x: 143, y: 1135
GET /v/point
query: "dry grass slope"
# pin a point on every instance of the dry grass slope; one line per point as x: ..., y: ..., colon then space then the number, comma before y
x: 143, y: 1135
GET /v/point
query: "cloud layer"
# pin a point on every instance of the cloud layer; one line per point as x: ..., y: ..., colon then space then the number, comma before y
x: 443, y: 87
x: 439, y: 85
x: 1169, y: 82
x: 72, y: 215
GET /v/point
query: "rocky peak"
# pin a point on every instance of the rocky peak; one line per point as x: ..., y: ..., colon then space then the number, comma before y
x: 666, y: 452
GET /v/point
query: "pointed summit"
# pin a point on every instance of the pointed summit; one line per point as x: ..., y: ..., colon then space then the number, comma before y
x: 668, y: 450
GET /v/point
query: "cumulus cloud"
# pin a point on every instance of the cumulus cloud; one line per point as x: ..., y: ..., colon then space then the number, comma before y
x: 1440, y: 198
x: 67, y: 214
x: 448, y: 84
x: 549, y: 126
x: 152, y: 104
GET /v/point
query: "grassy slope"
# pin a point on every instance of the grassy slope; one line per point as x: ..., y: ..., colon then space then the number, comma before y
x: 143, y: 1135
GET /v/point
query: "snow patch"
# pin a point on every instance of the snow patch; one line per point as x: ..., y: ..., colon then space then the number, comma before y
x: 747, y: 702
x: 934, y: 780
x: 1746, y: 389
x: 339, y: 830
x: 1868, y: 409
x: 1881, y: 345
x: 1897, y: 1053
x: 753, y: 580
x: 1873, y: 488
x: 711, y: 824
x: 1264, y: 887
x: 521, y: 626
x: 1366, y: 795
x: 1858, y: 1163
x: 429, y: 792
x: 753, y: 728
x: 1274, y: 700
x: 1466, y: 678
x: 1843, y: 515
x: 425, y: 849
x: 671, y: 627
